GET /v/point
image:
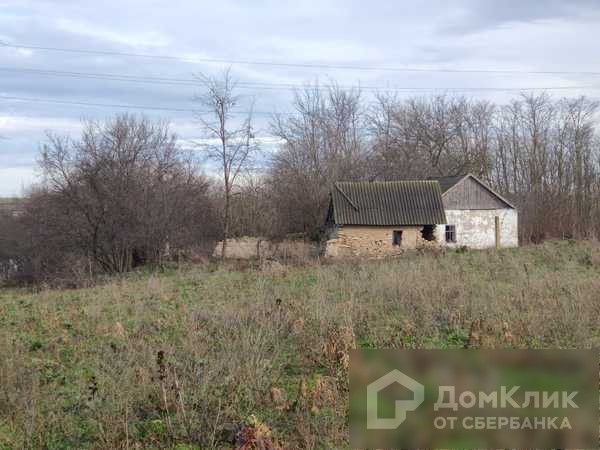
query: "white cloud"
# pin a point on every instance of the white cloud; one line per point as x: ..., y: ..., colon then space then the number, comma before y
x: 19, y: 125
x: 330, y: 51
x: 25, y: 52
x: 139, y: 39
x: 195, y: 143
x: 513, y: 34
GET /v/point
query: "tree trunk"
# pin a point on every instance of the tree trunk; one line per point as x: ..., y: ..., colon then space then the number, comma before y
x: 225, y: 224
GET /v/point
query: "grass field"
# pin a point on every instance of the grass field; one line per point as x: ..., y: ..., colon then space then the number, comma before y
x: 209, y: 357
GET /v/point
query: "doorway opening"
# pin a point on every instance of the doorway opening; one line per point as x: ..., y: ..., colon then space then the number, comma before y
x: 428, y: 233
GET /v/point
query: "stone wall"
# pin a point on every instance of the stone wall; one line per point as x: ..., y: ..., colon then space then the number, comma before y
x: 477, y: 229
x: 474, y: 229
x: 255, y: 247
x: 357, y: 241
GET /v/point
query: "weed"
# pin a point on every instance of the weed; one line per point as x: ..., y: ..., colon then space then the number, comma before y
x: 208, y: 357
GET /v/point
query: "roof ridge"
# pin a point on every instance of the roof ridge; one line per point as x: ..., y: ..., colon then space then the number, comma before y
x: 348, y: 199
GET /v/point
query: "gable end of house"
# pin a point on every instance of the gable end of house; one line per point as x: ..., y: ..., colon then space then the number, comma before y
x: 468, y: 192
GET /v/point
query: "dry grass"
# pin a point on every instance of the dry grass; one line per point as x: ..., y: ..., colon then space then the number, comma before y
x: 197, y: 358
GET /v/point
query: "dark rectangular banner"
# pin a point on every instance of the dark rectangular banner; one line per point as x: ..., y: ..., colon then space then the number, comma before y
x: 474, y: 399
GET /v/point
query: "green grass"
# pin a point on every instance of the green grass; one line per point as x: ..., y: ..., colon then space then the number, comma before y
x: 188, y: 357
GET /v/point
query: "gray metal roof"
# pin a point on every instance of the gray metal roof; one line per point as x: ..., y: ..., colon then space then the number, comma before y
x: 388, y: 203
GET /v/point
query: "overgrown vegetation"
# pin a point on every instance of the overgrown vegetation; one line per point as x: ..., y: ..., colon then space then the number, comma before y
x: 209, y: 357
x: 126, y: 194
x: 122, y: 196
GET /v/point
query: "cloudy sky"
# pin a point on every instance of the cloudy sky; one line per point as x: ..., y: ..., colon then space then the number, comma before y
x: 66, y: 60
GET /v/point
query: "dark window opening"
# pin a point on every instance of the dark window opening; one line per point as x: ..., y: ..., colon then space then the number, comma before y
x: 397, y: 237
x: 450, y: 233
x: 428, y: 232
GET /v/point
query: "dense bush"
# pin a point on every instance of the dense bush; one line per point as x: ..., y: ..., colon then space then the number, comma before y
x: 121, y: 196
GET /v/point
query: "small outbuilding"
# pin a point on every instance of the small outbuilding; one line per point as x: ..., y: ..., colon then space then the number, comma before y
x: 376, y: 219
x: 382, y: 218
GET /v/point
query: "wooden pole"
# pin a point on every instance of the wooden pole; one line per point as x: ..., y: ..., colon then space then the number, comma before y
x: 497, y: 229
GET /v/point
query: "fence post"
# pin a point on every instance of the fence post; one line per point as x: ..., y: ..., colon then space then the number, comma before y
x: 497, y: 229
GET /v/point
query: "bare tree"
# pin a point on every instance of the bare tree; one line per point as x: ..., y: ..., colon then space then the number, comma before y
x: 252, y: 212
x: 324, y: 142
x: 228, y: 142
x: 546, y: 159
x: 118, y: 196
x: 422, y: 137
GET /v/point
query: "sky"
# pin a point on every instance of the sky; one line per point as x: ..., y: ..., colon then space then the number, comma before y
x: 55, y: 57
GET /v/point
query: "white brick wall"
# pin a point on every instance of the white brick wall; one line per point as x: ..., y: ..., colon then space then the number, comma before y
x: 476, y: 228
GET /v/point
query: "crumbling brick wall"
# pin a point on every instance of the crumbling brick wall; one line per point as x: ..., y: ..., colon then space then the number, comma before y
x: 250, y: 247
x: 357, y: 241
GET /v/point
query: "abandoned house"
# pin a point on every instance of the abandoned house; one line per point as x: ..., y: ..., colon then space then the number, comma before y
x: 385, y: 218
